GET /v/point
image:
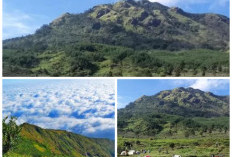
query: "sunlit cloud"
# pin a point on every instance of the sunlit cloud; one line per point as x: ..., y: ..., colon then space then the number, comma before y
x: 81, y: 106
x: 209, y: 85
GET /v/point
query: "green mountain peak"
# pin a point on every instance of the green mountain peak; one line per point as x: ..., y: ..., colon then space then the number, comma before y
x: 181, y: 101
x: 36, y: 141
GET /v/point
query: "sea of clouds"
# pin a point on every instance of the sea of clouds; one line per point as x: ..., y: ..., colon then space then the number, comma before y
x: 82, y: 106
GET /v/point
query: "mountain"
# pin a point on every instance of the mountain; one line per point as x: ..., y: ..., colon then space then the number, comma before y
x: 36, y: 141
x: 189, y: 108
x: 187, y: 102
x: 135, y: 24
x: 127, y: 38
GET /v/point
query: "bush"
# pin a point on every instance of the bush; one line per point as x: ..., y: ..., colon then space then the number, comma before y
x: 10, y: 134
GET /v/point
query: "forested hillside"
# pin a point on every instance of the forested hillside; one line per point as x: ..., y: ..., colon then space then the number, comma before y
x: 128, y: 38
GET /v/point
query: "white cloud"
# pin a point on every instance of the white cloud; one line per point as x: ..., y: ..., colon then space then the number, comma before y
x: 176, y: 2
x: 15, y: 23
x: 209, y: 5
x: 209, y: 85
x: 73, y: 105
x: 167, y: 2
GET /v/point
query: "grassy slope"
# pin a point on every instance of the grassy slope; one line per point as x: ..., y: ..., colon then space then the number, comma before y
x: 53, y: 63
x: 197, y: 146
x: 37, y: 142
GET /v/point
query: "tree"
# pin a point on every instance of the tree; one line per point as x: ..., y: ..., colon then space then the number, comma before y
x: 138, y: 142
x: 225, y: 129
x: 203, y: 69
x: 220, y: 68
x: 10, y: 134
x: 177, y: 71
x: 186, y: 134
x: 172, y: 145
x: 170, y: 132
x: 201, y: 133
x: 127, y: 145
x: 192, y: 132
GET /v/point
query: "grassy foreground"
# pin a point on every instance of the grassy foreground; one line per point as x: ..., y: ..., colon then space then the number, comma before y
x: 199, y: 147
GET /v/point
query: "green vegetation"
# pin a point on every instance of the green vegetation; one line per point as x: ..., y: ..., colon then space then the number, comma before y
x: 10, y: 134
x: 183, y: 121
x: 104, y: 60
x: 188, y: 147
x: 36, y: 142
x: 124, y: 39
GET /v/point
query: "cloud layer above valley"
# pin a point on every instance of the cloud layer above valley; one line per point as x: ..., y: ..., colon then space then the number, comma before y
x: 82, y: 106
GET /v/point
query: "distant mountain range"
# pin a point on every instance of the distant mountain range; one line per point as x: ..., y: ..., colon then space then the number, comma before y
x: 36, y: 141
x: 135, y: 24
x: 187, y: 107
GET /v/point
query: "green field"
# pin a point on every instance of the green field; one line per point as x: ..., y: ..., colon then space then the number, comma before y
x: 195, y: 146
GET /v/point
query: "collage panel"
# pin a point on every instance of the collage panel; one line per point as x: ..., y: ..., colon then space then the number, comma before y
x: 58, y: 118
x: 177, y: 117
x: 116, y: 38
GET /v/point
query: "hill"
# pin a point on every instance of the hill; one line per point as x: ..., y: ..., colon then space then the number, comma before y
x: 115, y: 35
x: 189, y: 108
x: 36, y: 141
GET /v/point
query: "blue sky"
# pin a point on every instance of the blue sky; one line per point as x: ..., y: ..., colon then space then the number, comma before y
x: 81, y: 106
x: 25, y: 16
x: 130, y: 90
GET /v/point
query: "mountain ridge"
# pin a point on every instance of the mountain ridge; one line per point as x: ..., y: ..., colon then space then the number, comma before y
x: 143, y: 20
x: 36, y: 141
x: 181, y: 101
